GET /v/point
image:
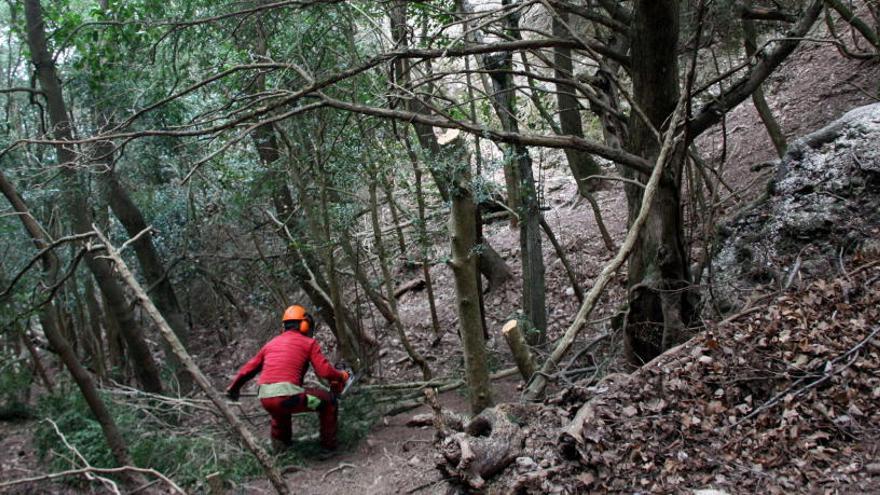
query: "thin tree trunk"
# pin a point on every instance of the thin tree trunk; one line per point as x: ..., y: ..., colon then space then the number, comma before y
x: 38, y: 363
x: 300, y: 264
x: 115, y: 342
x: 152, y: 267
x: 750, y: 40
x: 95, y: 318
x: 582, y: 164
x: 387, y: 190
x: 350, y: 344
x: 424, y: 242
x: 389, y: 285
x: 491, y: 264
x: 535, y: 389
x: 343, y: 326
x: 77, y: 205
x: 462, y: 230
x: 572, y: 277
x: 525, y: 194
x: 525, y: 362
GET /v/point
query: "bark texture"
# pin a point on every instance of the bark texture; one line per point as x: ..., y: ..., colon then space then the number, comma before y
x: 661, y: 305
x: 462, y: 229
x: 523, y: 196
x: 750, y: 40
x: 525, y: 362
x: 582, y: 164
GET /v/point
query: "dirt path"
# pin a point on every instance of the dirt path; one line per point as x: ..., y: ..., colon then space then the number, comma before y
x: 393, y: 458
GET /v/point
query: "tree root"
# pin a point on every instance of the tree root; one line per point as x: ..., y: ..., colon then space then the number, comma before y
x: 488, y: 443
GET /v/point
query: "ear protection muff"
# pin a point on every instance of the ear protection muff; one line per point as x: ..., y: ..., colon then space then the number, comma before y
x: 306, y: 324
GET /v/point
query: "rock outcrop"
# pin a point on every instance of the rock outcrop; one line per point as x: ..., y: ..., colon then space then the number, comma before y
x: 824, y: 202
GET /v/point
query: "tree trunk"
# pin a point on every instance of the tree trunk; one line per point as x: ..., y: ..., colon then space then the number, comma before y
x: 350, y: 344
x: 152, y: 268
x: 38, y: 363
x: 582, y: 164
x: 560, y: 252
x: 77, y: 205
x: 115, y: 343
x: 526, y: 197
x: 347, y: 331
x: 96, y: 337
x: 424, y: 241
x: 491, y: 264
x: 525, y: 362
x: 750, y: 39
x: 462, y: 230
x: 309, y: 280
x: 661, y: 306
x: 388, y: 191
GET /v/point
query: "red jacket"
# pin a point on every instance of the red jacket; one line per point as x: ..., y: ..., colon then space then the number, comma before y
x: 286, y: 358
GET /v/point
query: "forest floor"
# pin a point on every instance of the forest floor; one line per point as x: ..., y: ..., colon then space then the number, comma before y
x: 815, y: 86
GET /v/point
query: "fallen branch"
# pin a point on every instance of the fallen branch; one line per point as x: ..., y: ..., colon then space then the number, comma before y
x: 340, y: 467
x: 412, y: 285
x: 408, y: 405
x: 91, y: 470
x: 91, y: 473
x: 539, y: 380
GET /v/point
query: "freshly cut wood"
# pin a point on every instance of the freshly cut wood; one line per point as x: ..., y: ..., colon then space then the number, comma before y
x: 487, y: 445
x: 525, y: 362
x: 453, y: 420
x: 201, y: 380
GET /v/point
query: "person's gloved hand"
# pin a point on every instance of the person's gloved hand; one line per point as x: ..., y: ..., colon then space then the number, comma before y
x: 345, y: 376
x: 337, y: 387
x: 232, y: 394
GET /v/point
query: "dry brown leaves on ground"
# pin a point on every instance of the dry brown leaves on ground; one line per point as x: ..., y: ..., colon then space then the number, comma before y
x: 782, y: 400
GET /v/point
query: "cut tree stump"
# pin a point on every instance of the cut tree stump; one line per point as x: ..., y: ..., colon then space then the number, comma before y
x: 487, y: 445
x: 525, y: 362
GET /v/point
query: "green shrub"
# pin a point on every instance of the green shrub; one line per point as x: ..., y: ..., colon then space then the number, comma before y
x: 185, y: 455
x: 15, y: 380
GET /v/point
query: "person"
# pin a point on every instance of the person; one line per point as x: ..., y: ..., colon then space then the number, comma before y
x: 282, y: 364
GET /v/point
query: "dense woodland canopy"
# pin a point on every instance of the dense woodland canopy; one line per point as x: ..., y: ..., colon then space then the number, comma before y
x: 176, y: 173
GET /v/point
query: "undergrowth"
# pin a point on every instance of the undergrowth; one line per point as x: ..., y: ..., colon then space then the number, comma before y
x: 358, y: 412
x: 187, y: 455
x: 14, y: 380
x: 165, y: 441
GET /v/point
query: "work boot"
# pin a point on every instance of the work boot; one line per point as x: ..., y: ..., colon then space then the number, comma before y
x: 325, y: 454
x: 278, y: 446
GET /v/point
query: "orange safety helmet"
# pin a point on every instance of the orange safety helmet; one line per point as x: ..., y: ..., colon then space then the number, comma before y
x: 298, y: 313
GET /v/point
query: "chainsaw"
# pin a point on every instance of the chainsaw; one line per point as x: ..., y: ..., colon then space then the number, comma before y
x: 352, y: 379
